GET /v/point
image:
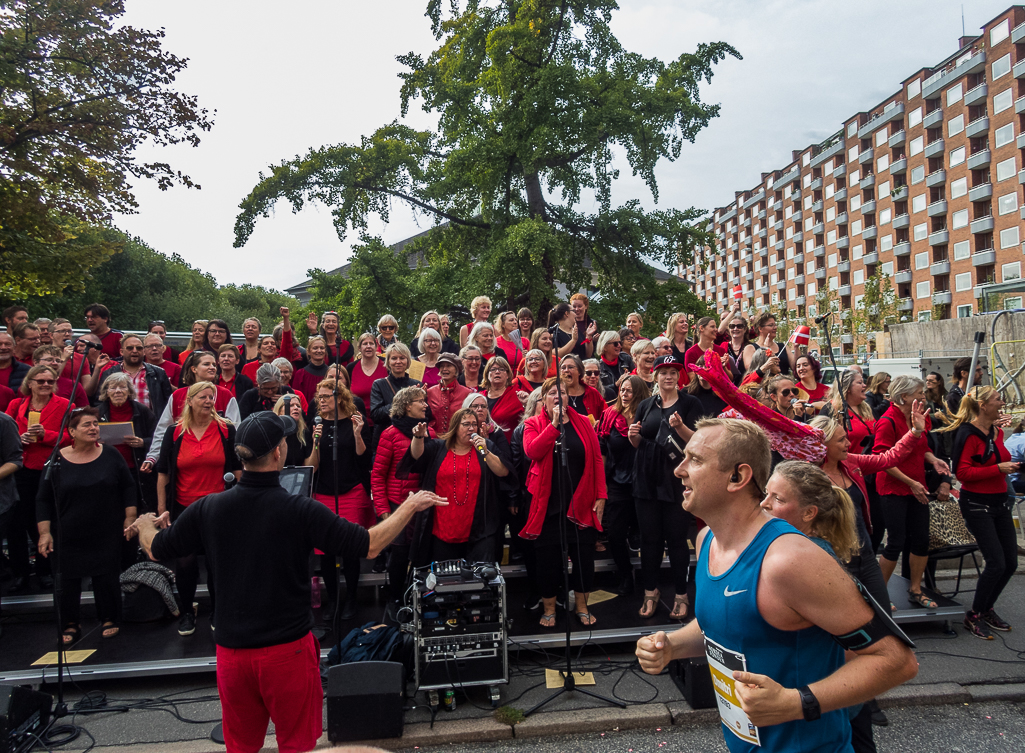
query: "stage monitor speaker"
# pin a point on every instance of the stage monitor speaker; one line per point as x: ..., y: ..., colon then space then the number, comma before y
x: 23, y: 713
x: 365, y: 701
x: 694, y: 680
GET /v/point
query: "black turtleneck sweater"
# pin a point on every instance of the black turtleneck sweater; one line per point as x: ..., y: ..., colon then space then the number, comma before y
x: 258, y: 539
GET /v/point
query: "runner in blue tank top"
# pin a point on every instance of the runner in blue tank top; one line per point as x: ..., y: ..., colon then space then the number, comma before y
x: 768, y: 605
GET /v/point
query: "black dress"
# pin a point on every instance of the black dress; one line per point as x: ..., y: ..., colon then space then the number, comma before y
x: 91, y: 499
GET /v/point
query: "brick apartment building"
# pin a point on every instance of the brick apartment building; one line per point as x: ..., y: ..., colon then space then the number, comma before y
x: 925, y: 188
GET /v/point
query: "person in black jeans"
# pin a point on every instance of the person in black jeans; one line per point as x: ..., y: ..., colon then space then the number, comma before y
x: 665, y: 422
x: 620, y: 511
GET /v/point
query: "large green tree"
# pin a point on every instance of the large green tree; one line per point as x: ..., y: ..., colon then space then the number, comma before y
x: 79, y: 93
x: 531, y: 97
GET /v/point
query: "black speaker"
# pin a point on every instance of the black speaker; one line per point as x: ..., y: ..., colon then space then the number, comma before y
x: 694, y: 680
x: 22, y: 712
x: 365, y: 701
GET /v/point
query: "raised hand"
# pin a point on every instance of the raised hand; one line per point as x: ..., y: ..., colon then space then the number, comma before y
x: 311, y: 322
x: 420, y: 431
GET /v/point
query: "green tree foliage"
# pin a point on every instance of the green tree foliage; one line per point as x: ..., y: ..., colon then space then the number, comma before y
x: 79, y: 92
x: 531, y: 97
x: 140, y: 284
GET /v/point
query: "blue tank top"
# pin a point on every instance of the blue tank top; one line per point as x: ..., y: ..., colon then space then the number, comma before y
x: 726, y: 607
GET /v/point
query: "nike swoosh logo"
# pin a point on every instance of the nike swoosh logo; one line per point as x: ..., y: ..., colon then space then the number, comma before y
x: 727, y: 592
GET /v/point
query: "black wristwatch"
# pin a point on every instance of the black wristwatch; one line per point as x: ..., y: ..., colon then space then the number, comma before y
x: 809, y: 704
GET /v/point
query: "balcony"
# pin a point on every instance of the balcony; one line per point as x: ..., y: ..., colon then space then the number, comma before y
x: 843, y: 267
x: 798, y: 256
x: 982, y: 225
x: 867, y: 182
x: 841, y: 219
x: 746, y: 222
x: 936, y: 178
x: 834, y: 148
x: 897, y: 139
x: 979, y: 159
x: 870, y: 259
x: 788, y: 177
x: 763, y: 252
x: 820, y: 273
x: 748, y: 257
x: 984, y: 258
x: 735, y: 247
x: 839, y: 171
x: 902, y: 276
x: 844, y: 291
x: 796, y: 216
x: 941, y: 298
x: 762, y: 233
x: 778, y: 226
x: 798, y: 236
x: 799, y: 300
x: 980, y: 192
x: 900, y: 193
x: 868, y: 207
x: 902, y: 249
x: 817, y: 206
x: 818, y: 228
x: 799, y: 280
x: 934, y: 118
x: 901, y: 221
x: 844, y: 242
x: 815, y: 185
x: 781, y: 265
x: 939, y: 238
x: 905, y: 304
x: 886, y: 116
x: 899, y: 166
x: 1021, y: 176
x: 1018, y: 33
x: 1019, y: 69
x: 940, y: 268
x: 866, y: 156
x: 978, y: 94
x: 763, y: 290
x: 934, y: 148
x: 781, y: 285
x: 937, y: 82
x: 840, y: 195
x: 870, y: 232
x: 937, y: 208
x: 761, y: 215
x: 977, y: 127
x: 778, y: 246
x: 749, y: 276
x: 847, y: 339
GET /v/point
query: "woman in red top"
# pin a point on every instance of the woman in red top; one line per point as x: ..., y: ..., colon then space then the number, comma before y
x: 461, y: 467
x: 196, y: 343
x: 38, y: 414
x: 707, y: 333
x: 902, y: 491
x: 362, y: 375
x: 229, y: 377
x: 982, y: 464
x: 578, y: 496
x: 337, y: 348
x: 542, y: 340
x: 535, y: 368
x: 250, y: 349
x: 809, y: 374
x: 194, y: 457
x: 483, y: 338
x: 505, y: 403
x: 268, y: 352
x: 584, y: 399
x: 118, y: 404
x: 508, y: 340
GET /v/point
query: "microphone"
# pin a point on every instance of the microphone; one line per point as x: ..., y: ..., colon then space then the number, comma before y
x: 317, y: 421
x: 89, y: 345
x: 229, y: 481
x: 482, y: 451
x: 820, y: 319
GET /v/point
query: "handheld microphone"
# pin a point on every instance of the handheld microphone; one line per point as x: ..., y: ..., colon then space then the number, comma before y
x: 89, y: 345
x: 820, y: 319
x: 229, y: 481
x: 482, y: 451
x: 317, y: 421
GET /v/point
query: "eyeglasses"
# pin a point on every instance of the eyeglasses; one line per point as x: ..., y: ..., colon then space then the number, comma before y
x: 44, y: 381
x: 617, y: 343
x: 330, y: 313
x: 157, y: 321
x: 133, y: 348
x: 787, y: 391
x: 472, y: 360
x: 324, y: 397
x: 592, y: 373
x: 386, y: 327
x: 212, y: 331
x: 737, y: 326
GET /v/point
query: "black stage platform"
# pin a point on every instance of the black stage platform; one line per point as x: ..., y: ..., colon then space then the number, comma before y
x: 156, y: 648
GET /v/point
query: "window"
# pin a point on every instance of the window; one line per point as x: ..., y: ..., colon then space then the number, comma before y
x: 1006, y: 169
x: 855, y: 202
x: 924, y: 316
x: 922, y: 260
x: 883, y: 163
x: 806, y: 181
x: 921, y: 232
x: 955, y: 125
x: 914, y: 88
x: 790, y: 232
x: 852, y: 153
x: 886, y: 242
x: 959, y: 219
x: 788, y: 212
x: 830, y: 214
x: 883, y: 189
x: 1011, y: 271
x: 856, y: 227
x: 858, y: 276
x: 831, y: 260
x: 806, y: 159
x: 881, y: 136
x: 1012, y: 303
x: 915, y: 116
x: 922, y: 289
x: 791, y: 294
x: 884, y: 215
x: 1005, y: 134
x: 808, y: 201
x: 918, y: 203
x: 812, y: 287
x: 963, y: 312
x: 963, y: 281
x: 853, y: 177
x: 809, y: 245
x: 809, y: 221
x: 887, y: 269
x: 790, y: 252
x: 954, y: 93
x: 834, y: 283
x: 957, y: 156
x: 962, y: 250
x: 831, y: 236
x: 830, y: 190
x: 1001, y: 66
x: 958, y: 187
x: 809, y: 268
x: 1009, y: 237
x: 917, y: 174
x: 856, y: 252
x: 1000, y: 32
x: 1003, y: 100
x: 828, y: 166
x: 852, y: 129
x: 916, y: 146
x: 1007, y: 203
x: 773, y: 278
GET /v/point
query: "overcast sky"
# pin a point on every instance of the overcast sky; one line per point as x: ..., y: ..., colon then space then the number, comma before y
x: 287, y: 77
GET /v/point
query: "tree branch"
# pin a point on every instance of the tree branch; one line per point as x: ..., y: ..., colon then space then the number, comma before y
x: 423, y: 205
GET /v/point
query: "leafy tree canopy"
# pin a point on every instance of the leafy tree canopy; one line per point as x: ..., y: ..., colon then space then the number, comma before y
x: 531, y: 98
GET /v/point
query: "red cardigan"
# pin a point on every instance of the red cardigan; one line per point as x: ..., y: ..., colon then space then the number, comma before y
x: 913, y: 466
x: 594, y: 402
x: 977, y: 478
x: 386, y: 487
x: 507, y: 410
x: 539, y: 438
x: 35, y: 455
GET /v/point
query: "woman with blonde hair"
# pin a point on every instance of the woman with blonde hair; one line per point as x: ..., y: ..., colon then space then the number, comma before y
x: 363, y: 372
x: 397, y: 358
x: 535, y: 370
x: 878, y: 387
x: 196, y: 343
x: 388, y: 329
x: 635, y: 323
x: 300, y: 443
x: 643, y: 354
x: 677, y: 329
x: 508, y: 339
x: 541, y: 339
x: 432, y: 320
x: 982, y: 464
x: 480, y: 310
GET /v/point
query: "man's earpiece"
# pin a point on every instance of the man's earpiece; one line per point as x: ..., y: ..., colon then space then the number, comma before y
x: 735, y: 478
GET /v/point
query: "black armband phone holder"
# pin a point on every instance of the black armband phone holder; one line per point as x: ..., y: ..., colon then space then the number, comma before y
x: 880, y: 626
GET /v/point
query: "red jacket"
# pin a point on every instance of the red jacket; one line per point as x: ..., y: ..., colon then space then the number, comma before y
x: 444, y: 402
x: 386, y: 487
x: 594, y: 402
x: 539, y: 438
x: 35, y: 455
x: 890, y: 427
x: 978, y: 477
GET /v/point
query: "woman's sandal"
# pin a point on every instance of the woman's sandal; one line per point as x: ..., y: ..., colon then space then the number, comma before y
x: 71, y: 634
x: 919, y: 598
x: 681, y: 604
x: 110, y: 630
x: 548, y: 620
x: 650, y: 603
x: 586, y: 618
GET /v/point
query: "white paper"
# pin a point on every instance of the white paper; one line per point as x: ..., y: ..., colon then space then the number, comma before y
x: 116, y: 433
x: 722, y: 662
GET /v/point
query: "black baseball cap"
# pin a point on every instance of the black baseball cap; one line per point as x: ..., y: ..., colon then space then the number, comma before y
x: 259, y: 434
x: 668, y: 362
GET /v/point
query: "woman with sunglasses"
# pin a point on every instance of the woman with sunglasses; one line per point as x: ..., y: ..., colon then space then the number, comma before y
x: 584, y: 399
x: 613, y: 362
x: 388, y: 328
x: 480, y: 311
x: 592, y: 378
x: 337, y: 349
x: 196, y: 343
x: 784, y: 398
x: 739, y: 345
x: 38, y: 413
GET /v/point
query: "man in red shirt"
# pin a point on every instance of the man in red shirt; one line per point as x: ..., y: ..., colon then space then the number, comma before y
x: 50, y: 355
x: 155, y: 350
x: 26, y: 340
x: 13, y: 316
x: 97, y: 319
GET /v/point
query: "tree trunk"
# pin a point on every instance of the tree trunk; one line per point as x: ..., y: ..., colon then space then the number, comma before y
x: 535, y: 198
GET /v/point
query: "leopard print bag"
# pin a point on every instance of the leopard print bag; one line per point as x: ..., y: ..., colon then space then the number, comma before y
x: 946, y: 525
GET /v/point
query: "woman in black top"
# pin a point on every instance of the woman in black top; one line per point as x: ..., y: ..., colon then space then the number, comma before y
x: 665, y: 422
x: 711, y: 404
x: 343, y: 487
x: 612, y: 359
x: 566, y: 335
x: 300, y: 444
x: 397, y: 359
x: 620, y: 510
x: 96, y: 498
x: 118, y: 404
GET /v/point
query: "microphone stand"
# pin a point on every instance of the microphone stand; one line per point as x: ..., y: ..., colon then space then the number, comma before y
x: 845, y: 419
x: 60, y: 708
x: 560, y: 473
x: 335, y: 618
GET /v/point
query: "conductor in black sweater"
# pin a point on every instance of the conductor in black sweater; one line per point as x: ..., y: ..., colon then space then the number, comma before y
x: 258, y: 539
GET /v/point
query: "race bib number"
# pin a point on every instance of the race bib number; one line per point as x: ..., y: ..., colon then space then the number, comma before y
x: 722, y: 662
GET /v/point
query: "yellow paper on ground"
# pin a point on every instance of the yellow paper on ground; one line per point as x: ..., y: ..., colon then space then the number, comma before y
x: 416, y: 371
x: 555, y: 679
x: 597, y: 597
x: 70, y: 657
